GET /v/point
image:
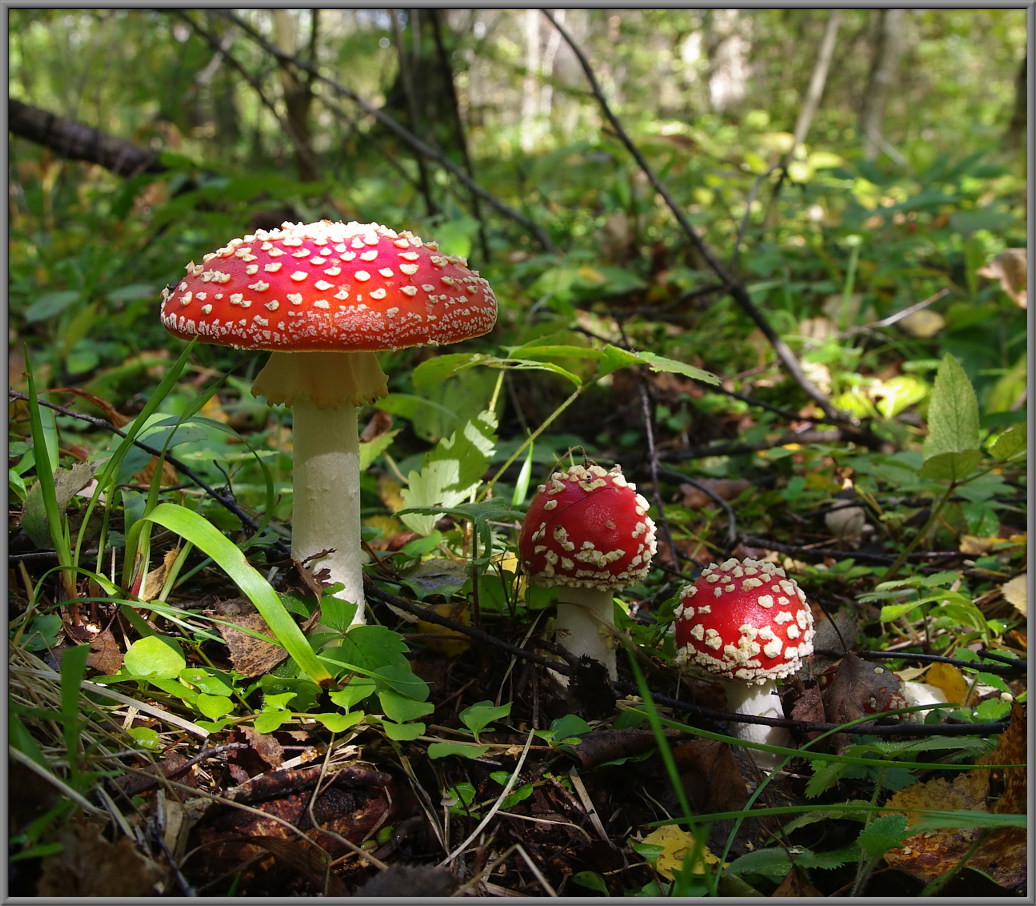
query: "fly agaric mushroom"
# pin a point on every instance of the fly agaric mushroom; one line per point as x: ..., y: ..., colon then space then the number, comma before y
x: 588, y: 533
x: 747, y: 624
x: 325, y: 298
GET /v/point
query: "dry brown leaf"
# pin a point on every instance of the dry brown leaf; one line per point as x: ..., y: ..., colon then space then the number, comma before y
x: 105, y: 654
x: 796, y: 885
x: 725, y: 488
x: 155, y: 579
x: 249, y: 655
x: 858, y: 689
x: 1003, y: 855
x: 1011, y: 268
x: 88, y: 865
x: 265, y: 746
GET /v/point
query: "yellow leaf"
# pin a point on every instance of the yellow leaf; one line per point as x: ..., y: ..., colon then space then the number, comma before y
x: 442, y: 639
x: 676, y: 844
x: 950, y: 680
x: 1016, y: 593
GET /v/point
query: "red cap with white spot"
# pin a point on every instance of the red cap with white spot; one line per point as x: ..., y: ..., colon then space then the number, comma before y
x: 744, y: 620
x: 329, y: 287
x: 587, y: 528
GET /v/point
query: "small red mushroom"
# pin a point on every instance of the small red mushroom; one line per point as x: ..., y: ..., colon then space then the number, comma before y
x: 747, y: 624
x: 588, y: 533
x: 325, y: 298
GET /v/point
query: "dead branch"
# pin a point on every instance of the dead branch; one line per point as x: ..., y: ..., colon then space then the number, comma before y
x: 72, y: 140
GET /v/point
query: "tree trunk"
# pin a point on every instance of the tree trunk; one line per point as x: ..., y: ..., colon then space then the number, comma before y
x: 298, y: 92
x: 1016, y: 129
x: 888, y: 49
x: 817, y: 81
x: 729, y: 50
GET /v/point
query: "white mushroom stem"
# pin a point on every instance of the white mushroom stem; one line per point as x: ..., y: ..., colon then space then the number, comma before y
x: 326, y: 507
x: 585, y: 624
x: 759, y: 700
x: 323, y: 390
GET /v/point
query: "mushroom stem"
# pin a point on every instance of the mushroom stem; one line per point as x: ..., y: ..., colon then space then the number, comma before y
x: 326, y: 506
x: 759, y: 700
x: 585, y: 623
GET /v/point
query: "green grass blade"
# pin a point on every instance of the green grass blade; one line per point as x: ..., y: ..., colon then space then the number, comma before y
x: 228, y: 556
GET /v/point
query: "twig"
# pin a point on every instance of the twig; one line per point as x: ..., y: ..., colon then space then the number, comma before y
x: 1008, y: 666
x: 906, y: 728
x: 823, y: 552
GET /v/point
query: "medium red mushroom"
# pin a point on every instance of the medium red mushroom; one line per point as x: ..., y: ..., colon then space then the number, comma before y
x: 745, y: 623
x: 588, y: 533
x: 325, y: 298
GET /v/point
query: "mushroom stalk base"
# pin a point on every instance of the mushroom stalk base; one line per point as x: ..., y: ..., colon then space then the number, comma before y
x: 760, y: 701
x: 585, y: 625
x: 326, y: 507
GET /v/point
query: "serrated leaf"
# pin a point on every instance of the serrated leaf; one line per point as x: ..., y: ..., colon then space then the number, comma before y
x: 450, y: 472
x: 950, y: 466
x: 883, y: 834
x: 1009, y: 443
x: 825, y: 775
x: 432, y: 372
x: 953, y: 420
x: 67, y: 483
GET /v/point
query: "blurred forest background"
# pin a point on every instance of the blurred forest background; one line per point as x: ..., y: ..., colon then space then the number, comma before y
x: 820, y: 207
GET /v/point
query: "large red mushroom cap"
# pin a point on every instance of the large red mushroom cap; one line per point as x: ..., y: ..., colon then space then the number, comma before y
x: 587, y: 528
x: 332, y: 287
x: 744, y: 620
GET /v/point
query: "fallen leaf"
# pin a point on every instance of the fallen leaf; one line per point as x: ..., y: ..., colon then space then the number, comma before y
x: 950, y: 680
x: 796, y: 884
x: 1003, y: 855
x: 264, y: 745
x: 1010, y: 267
x: 155, y: 580
x: 1016, y: 593
x: 105, y: 655
x: 924, y: 323
x: 858, y: 689
x: 88, y: 865
x: 249, y: 655
x: 696, y: 496
x: 677, y: 844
